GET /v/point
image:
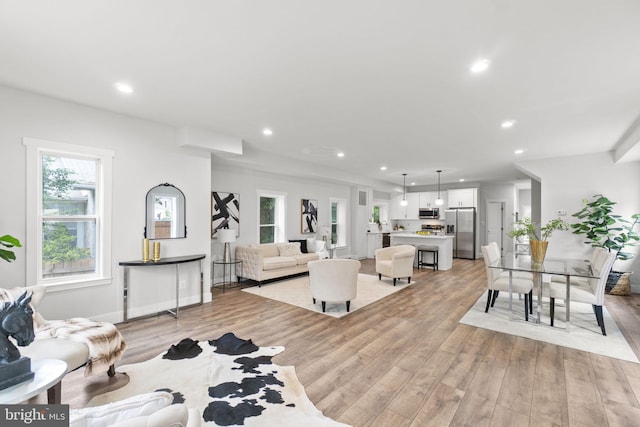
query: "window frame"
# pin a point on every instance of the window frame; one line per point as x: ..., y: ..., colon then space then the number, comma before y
x: 341, y: 220
x: 279, y: 234
x: 35, y: 216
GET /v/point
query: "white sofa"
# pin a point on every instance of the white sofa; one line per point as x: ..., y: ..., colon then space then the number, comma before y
x: 273, y: 260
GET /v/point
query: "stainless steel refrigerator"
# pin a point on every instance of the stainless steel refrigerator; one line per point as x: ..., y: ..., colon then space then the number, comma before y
x: 461, y: 224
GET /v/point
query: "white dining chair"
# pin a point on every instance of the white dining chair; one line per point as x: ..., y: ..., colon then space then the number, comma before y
x: 592, y: 292
x: 496, y: 282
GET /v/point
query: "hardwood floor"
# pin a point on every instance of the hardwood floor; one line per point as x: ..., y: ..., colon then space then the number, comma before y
x: 406, y: 361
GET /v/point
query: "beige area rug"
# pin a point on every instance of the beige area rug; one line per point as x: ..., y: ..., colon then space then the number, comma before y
x: 584, y: 333
x: 297, y: 292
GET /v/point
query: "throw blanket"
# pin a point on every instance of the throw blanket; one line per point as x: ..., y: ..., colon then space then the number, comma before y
x: 105, y: 343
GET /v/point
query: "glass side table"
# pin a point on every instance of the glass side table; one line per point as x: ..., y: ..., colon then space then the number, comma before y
x: 231, y: 267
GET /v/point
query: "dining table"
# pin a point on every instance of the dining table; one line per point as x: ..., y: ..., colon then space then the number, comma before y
x: 552, y: 266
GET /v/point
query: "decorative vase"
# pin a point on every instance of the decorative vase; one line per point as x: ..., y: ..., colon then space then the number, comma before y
x: 145, y: 250
x: 538, y: 250
x: 156, y: 251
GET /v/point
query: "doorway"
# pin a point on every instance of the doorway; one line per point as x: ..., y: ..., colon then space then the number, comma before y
x: 495, y: 223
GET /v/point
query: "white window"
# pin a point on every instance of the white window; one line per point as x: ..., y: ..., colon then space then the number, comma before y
x: 68, y: 221
x: 271, y: 214
x: 339, y: 222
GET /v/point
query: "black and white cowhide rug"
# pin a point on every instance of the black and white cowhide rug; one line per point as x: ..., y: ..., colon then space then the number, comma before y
x: 229, y: 380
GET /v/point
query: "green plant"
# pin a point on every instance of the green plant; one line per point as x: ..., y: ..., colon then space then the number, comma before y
x: 8, y: 241
x: 524, y: 227
x: 604, y: 229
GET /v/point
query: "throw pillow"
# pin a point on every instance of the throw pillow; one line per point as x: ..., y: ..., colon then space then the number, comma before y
x: 311, y: 245
x: 303, y: 245
x: 289, y: 249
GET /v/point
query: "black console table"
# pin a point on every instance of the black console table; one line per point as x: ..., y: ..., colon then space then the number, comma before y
x: 177, y: 260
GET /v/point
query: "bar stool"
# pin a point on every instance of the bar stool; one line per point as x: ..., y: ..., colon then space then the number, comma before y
x: 433, y: 250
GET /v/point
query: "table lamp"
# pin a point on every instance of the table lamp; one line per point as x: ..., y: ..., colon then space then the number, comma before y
x: 226, y: 236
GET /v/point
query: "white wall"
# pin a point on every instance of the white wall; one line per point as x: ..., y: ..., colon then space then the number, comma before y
x: 246, y: 182
x: 147, y: 154
x: 566, y: 181
x: 496, y: 192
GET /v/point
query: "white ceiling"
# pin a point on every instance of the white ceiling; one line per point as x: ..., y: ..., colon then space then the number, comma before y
x: 387, y: 83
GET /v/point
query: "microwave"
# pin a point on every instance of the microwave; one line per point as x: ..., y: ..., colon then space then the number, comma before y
x: 429, y: 213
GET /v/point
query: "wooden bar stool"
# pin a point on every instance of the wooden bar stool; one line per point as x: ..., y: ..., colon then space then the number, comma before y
x: 433, y: 250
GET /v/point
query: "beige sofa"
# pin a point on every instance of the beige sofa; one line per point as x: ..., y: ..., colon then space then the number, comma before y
x: 272, y: 260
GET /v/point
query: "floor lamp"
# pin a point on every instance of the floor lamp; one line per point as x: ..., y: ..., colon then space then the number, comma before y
x: 227, y: 236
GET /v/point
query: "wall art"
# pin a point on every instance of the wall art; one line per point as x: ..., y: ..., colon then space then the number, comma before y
x: 309, y: 216
x: 225, y: 212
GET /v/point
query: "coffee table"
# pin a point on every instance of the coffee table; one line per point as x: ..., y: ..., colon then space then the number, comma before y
x: 48, y: 373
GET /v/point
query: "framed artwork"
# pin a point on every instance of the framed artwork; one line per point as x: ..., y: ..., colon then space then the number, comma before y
x: 309, y: 216
x: 225, y: 212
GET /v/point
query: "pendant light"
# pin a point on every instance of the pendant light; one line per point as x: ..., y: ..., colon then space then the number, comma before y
x: 439, y: 201
x: 404, y: 202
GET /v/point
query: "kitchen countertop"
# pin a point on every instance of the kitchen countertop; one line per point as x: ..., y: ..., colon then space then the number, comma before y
x: 422, y: 236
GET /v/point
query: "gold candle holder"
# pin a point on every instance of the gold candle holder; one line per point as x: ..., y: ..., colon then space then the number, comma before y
x: 156, y: 251
x: 145, y: 250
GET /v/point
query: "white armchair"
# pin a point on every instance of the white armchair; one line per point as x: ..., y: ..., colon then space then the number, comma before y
x: 333, y: 280
x: 144, y: 410
x: 395, y: 262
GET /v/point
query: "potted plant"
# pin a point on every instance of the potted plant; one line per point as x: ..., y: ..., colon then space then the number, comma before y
x: 8, y: 241
x: 606, y: 230
x: 538, y: 240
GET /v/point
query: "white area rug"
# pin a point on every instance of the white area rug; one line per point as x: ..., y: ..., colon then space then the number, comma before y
x: 297, y: 292
x: 584, y: 333
x: 229, y: 381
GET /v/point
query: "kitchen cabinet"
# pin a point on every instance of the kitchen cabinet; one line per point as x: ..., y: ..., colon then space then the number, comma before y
x: 410, y: 211
x: 374, y: 241
x: 428, y: 199
x: 462, y: 198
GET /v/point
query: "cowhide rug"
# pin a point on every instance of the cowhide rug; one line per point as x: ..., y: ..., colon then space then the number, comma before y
x: 229, y: 380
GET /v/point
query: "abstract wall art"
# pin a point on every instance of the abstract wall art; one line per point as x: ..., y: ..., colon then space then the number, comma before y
x: 309, y: 216
x: 225, y: 211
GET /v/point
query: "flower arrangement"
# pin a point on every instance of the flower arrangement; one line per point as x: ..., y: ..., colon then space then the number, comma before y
x: 525, y: 227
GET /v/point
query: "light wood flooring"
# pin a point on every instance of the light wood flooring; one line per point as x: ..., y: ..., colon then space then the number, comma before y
x: 406, y: 361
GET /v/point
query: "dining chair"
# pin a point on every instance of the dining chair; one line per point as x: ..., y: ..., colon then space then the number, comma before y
x: 592, y: 292
x: 582, y: 281
x: 497, y: 253
x: 496, y: 282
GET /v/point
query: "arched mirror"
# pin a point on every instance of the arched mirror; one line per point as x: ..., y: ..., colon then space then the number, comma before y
x: 165, y: 213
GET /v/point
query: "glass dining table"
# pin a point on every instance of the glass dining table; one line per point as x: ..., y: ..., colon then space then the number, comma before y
x: 566, y: 267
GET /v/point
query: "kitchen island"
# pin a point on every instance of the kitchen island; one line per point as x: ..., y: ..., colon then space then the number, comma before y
x: 444, y: 244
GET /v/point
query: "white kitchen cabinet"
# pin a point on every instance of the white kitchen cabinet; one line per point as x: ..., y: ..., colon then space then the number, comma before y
x: 374, y: 241
x: 397, y: 211
x: 462, y: 198
x: 428, y: 199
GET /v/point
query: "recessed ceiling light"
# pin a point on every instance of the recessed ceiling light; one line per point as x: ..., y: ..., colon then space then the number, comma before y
x: 461, y: 180
x: 519, y: 151
x: 383, y: 168
x: 413, y: 183
x: 507, y: 124
x: 267, y: 131
x: 480, y: 65
x: 123, y: 87
x: 341, y: 154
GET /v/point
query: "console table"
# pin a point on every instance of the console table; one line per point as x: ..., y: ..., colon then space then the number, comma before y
x: 177, y: 260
